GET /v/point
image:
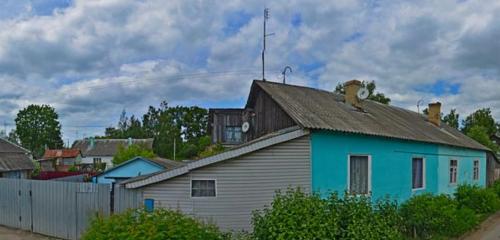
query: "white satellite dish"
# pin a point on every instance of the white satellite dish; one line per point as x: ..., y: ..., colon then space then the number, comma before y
x: 245, y: 127
x: 363, y: 93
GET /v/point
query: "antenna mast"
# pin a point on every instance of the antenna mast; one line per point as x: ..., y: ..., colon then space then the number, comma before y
x: 266, y: 16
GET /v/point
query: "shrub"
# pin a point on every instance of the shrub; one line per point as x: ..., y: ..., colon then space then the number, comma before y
x: 427, y: 216
x: 496, y: 187
x: 296, y: 215
x: 481, y: 200
x: 160, y: 224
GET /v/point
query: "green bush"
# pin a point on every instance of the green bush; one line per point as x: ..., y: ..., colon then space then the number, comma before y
x: 160, y: 224
x: 481, y: 200
x: 496, y: 188
x: 295, y: 215
x: 427, y: 216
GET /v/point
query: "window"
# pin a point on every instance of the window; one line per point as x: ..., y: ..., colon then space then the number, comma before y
x: 203, y: 188
x: 233, y: 134
x: 359, y: 174
x: 453, y: 171
x: 475, y: 174
x: 97, y: 160
x: 418, y: 173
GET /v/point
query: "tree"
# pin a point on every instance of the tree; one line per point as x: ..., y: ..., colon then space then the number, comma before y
x: 38, y: 127
x: 483, y: 118
x: 371, y: 86
x: 480, y: 134
x: 135, y: 150
x: 452, y: 118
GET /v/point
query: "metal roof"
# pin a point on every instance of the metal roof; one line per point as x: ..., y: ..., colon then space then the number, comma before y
x: 107, y: 147
x: 254, y: 145
x: 319, y: 109
x: 14, y: 157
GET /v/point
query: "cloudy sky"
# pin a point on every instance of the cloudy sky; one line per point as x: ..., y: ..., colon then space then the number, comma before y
x: 92, y: 59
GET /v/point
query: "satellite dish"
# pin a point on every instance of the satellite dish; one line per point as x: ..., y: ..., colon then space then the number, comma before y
x: 363, y: 93
x: 245, y: 127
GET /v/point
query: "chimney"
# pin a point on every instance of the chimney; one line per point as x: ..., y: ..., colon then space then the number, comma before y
x: 92, y: 142
x: 435, y: 113
x: 351, y: 90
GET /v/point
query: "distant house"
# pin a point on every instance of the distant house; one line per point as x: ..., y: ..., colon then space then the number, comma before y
x: 322, y: 142
x: 15, y: 161
x: 60, y: 159
x: 101, y: 151
x: 137, y: 166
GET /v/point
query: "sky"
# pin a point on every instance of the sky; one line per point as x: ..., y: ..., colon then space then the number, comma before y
x: 90, y: 60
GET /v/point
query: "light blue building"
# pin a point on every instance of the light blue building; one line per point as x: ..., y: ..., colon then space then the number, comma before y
x: 134, y: 167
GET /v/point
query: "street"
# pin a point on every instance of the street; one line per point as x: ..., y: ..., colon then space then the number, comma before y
x: 488, y: 230
x: 13, y: 234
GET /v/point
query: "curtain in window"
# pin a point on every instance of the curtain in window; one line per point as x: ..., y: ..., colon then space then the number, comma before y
x: 358, y: 175
x: 418, y: 172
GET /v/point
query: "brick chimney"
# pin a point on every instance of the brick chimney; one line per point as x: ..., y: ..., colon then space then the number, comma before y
x: 351, y: 90
x: 435, y: 113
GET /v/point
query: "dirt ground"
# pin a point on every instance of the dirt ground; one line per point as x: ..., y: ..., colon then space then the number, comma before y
x: 15, y: 234
x: 488, y: 230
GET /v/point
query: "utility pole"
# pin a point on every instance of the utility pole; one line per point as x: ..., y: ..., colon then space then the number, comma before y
x: 174, y: 149
x: 266, y: 16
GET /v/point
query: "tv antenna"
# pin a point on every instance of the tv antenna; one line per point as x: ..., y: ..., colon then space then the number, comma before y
x: 419, y: 102
x: 266, y: 16
x: 284, y: 73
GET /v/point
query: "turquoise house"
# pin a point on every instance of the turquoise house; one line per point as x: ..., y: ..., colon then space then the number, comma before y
x: 134, y: 167
x: 359, y: 145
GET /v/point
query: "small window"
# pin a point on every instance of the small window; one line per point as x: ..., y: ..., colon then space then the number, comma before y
x: 475, y: 174
x: 453, y: 171
x: 359, y: 175
x: 233, y: 134
x: 203, y: 188
x: 418, y: 173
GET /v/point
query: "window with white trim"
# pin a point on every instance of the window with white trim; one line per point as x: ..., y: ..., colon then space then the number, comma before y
x: 418, y: 173
x: 453, y: 171
x: 359, y: 174
x: 203, y: 188
x: 475, y: 173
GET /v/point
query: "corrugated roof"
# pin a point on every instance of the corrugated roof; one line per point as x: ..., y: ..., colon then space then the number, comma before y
x: 319, y: 109
x: 61, y: 153
x: 13, y: 157
x: 248, y: 147
x: 107, y: 147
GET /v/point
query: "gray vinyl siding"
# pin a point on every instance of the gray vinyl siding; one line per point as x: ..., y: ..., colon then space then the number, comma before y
x: 244, y: 184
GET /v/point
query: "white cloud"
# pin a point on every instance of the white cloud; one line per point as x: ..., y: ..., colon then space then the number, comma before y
x: 95, y: 58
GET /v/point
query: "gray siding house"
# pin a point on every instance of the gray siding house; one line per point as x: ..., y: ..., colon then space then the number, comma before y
x: 226, y: 188
x: 15, y: 161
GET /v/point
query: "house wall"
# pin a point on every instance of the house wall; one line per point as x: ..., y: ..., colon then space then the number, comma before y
x: 131, y: 169
x: 24, y: 174
x: 391, y: 161
x: 90, y: 160
x: 219, y: 119
x: 243, y: 184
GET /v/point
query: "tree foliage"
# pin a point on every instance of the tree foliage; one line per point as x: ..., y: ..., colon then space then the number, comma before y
x: 37, y: 127
x: 451, y: 119
x: 184, y: 127
x: 135, y: 150
x: 480, y: 134
x: 371, y: 86
x: 483, y: 118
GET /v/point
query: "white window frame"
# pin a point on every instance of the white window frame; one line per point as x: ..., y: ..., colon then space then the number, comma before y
x: 424, y: 174
x: 456, y: 172
x: 369, y: 173
x: 202, y: 179
x: 474, y: 170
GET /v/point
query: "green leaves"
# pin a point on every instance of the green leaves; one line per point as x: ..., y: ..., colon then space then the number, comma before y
x: 296, y: 215
x: 132, y: 151
x: 37, y: 127
x: 159, y: 225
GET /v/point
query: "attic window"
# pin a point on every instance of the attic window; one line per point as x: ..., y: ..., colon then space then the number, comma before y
x: 233, y: 134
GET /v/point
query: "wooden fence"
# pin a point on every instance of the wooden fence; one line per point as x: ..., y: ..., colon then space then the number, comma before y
x: 58, y: 209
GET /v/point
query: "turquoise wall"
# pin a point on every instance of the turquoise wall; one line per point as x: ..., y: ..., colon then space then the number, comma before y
x: 391, y: 161
x: 128, y: 170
